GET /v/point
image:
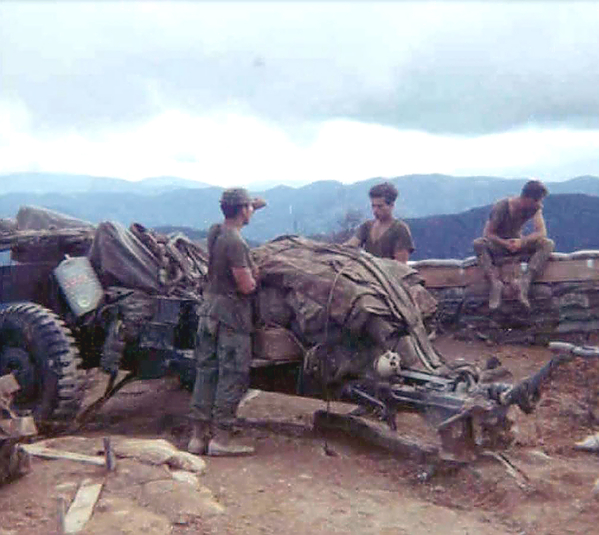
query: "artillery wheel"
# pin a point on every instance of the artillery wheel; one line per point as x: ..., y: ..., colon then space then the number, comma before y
x: 39, y: 349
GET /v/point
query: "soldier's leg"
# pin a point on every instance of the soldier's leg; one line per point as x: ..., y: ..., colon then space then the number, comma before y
x: 234, y: 357
x: 206, y: 354
x: 483, y: 249
x: 538, y: 251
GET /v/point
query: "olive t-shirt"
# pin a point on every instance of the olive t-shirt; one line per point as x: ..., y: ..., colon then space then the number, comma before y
x: 506, y: 224
x: 396, y: 237
x: 227, y: 249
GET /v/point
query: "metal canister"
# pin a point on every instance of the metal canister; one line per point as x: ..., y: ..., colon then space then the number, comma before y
x: 80, y: 284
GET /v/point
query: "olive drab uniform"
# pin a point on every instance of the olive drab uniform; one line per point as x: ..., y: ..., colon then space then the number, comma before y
x: 223, y: 348
x: 508, y: 225
x: 396, y: 237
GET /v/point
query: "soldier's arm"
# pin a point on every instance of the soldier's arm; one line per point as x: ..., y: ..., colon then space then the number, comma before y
x: 241, y: 267
x: 539, y: 227
x: 402, y: 255
x: 490, y: 233
x: 354, y: 241
x: 244, y: 279
x: 404, y: 244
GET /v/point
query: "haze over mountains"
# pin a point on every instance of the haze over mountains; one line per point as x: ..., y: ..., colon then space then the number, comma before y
x: 444, y: 212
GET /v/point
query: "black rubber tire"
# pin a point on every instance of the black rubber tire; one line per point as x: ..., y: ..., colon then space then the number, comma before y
x: 40, y: 349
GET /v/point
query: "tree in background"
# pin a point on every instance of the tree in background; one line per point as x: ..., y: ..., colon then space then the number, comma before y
x: 348, y: 223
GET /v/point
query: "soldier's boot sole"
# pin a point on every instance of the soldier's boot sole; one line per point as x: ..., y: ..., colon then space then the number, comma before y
x: 197, y: 446
x: 221, y: 449
x: 200, y: 436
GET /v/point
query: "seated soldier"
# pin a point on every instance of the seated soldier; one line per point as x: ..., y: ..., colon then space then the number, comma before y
x: 503, y: 238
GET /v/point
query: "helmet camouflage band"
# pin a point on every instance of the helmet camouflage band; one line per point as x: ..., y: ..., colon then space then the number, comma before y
x: 238, y: 197
x: 235, y: 197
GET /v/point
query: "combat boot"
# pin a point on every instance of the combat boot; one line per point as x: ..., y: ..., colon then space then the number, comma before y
x: 200, y: 437
x: 222, y: 444
x: 523, y: 289
x: 495, y: 293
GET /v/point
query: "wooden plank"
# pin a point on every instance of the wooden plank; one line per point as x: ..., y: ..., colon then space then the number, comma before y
x: 51, y: 453
x: 571, y: 270
x: 449, y: 277
x: 556, y: 271
x: 381, y: 436
x: 82, y: 507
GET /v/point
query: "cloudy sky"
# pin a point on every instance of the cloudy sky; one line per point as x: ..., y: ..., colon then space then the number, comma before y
x: 293, y: 92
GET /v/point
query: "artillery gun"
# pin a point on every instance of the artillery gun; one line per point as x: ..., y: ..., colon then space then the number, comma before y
x: 332, y: 323
x: 75, y: 297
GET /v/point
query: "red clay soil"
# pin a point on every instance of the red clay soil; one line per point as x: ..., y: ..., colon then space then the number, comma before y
x: 302, y: 483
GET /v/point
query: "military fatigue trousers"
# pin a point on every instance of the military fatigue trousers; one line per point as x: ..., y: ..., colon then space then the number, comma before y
x: 536, y: 252
x: 223, y: 357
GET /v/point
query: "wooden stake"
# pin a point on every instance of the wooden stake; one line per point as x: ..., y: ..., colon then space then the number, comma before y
x: 109, y: 455
x: 61, y: 510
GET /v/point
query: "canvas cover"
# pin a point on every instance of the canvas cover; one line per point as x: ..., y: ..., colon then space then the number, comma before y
x: 35, y: 218
x: 40, y: 234
x: 141, y: 259
x: 344, y: 299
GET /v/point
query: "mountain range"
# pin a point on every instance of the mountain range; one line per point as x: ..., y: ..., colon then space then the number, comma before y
x: 444, y: 212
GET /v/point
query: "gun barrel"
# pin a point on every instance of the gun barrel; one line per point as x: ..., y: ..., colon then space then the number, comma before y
x: 578, y: 351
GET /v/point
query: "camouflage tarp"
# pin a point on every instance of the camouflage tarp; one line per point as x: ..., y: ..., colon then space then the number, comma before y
x: 35, y: 218
x: 39, y: 234
x: 344, y: 299
x: 141, y: 259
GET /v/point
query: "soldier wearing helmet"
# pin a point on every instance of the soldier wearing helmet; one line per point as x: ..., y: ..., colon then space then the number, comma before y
x: 223, y: 348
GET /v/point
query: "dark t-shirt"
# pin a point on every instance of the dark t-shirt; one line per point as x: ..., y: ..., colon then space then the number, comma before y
x: 227, y: 249
x: 395, y: 238
x: 508, y: 225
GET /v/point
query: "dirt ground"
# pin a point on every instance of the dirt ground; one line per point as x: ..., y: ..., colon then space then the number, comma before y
x: 302, y: 482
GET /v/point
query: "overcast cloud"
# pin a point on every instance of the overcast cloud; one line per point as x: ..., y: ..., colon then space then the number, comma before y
x: 233, y: 93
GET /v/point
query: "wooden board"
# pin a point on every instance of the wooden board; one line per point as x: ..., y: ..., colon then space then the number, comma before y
x: 82, y: 507
x: 379, y: 435
x: 556, y: 271
x: 51, y: 453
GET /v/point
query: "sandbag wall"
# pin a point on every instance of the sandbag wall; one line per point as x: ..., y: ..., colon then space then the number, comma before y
x: 565, y: 300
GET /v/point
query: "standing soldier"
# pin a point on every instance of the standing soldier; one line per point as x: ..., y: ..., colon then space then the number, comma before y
x: 384, y: 236
x: 223, y: 349
x: 503, y: 238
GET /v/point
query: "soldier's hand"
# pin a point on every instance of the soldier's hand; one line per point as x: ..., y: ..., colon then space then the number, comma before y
x: 514, y: 245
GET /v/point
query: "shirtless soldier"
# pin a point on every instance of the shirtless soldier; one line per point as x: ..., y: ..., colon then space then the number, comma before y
x: 223, y: 350
x: 384, y: 236
x: 502, y: 237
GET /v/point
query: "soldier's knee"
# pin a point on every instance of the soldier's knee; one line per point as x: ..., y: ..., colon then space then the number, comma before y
x: 480, y: 244
x: 548, y: 244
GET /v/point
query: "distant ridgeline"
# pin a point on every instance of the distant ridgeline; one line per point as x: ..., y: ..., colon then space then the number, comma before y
x: 572, y: 222
x: 565, y: 300
x: 318, y: 209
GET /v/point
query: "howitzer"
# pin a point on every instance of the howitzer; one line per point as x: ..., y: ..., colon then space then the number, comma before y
x: 526, y: 393
x: 468, y: 414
